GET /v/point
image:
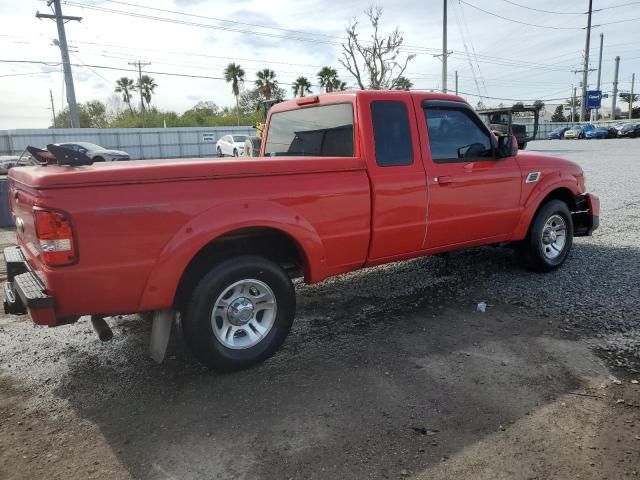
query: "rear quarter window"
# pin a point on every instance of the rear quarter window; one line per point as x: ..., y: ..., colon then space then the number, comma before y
x: 321, y: 131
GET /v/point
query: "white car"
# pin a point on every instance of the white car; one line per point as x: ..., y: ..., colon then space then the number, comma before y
x: 232, y: 145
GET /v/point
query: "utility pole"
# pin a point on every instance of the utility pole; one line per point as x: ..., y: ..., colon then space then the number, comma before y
x: 633, y: 79
x: 585, y: 73
x: 615, y: 90
x: 445, y: 53
x: 64, y: 51
x: 53, y: 110
x: 140, y: 64
x: 573, y: 104
x: 599, y: 68
x: 456, y: 82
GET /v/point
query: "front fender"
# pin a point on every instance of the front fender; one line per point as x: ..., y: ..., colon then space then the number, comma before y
x: 533, y: 198
x: 163, y: 281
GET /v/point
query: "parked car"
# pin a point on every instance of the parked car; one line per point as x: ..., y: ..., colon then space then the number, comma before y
x: 601, y: 132
x: 345, y: 181
x: 578, y: 131
x: 7, y: 162
x: 96, y: 152
x: 557, y: 134
x: 231, y: 145
x: 573, y: 133
x: 630, y: 130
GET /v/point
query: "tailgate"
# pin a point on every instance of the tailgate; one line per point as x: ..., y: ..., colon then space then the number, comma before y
x: 22, y: 199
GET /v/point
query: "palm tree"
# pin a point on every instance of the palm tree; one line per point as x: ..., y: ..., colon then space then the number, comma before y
x: 402, y: 83
x: 234, y: 74
x: 147, y: 85
x: 301, y: 87
x: 266, y: 83
x: 126, y: 86
x: 338, y: 85
x: 327, y: 76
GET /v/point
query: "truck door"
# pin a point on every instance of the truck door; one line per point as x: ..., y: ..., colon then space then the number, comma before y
x: 398, y: 186
x: 473, y: 195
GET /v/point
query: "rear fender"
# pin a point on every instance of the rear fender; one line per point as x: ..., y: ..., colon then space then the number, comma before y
x: 547, y: 185
x: 163, y: 281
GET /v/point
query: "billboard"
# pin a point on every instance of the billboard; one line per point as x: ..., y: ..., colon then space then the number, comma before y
x: 593, y: 99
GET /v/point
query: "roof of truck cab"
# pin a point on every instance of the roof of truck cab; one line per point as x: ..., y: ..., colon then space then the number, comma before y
x: 352, y: 95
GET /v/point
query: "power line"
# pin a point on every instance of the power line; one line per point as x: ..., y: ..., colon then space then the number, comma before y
x: 175, y: 12
x: 28, y: 73
x: 518, y: 21
x: 540, y: 10
x: 121, y: 69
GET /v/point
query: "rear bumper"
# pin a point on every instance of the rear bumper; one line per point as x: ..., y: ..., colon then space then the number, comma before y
x: 586, y: 218
x: 24, y: 292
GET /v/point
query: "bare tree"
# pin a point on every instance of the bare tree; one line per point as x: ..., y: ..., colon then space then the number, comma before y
x: 375, y: 64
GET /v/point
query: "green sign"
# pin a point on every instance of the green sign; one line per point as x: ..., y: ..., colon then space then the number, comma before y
x: 605, y: 95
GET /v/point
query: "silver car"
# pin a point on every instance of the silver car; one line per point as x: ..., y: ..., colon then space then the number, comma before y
x: 96, y: 152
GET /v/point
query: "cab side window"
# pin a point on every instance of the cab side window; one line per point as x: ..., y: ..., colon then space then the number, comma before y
x: 457, y: 135
x: 392, y: 134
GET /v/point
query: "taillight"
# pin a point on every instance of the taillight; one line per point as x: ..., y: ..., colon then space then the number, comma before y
x: 55, y: 234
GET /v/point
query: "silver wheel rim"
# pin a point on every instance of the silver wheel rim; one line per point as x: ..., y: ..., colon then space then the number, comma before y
x: 244, y: 314
x: 554, y: 237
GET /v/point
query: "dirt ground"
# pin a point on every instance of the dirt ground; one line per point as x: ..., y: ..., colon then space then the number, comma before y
x: 388, y: 373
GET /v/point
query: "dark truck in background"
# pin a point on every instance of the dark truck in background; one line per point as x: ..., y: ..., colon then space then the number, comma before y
x: 500, y: 121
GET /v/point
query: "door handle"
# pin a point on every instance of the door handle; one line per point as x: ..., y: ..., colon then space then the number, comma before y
x: 444, y: 180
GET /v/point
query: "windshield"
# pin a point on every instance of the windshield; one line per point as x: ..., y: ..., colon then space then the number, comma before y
x: 86, y: 145
x: 239, y: 138
x: 323, y: 131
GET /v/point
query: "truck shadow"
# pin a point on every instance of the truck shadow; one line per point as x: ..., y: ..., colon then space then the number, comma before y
x: 386, y: 370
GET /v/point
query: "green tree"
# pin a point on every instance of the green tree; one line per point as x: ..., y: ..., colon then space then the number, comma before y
x: 301, y: 87
x: 626, y: 98
x: 326, y: 77
x: 338, y: 85
x: 403, y: 83
x: 92, y: 114
x: 147, y: 86
x: 234, y: 74
x: 266, y: 83
x: 558, y: 114
x: 539, y: 104
x: 126, y: 86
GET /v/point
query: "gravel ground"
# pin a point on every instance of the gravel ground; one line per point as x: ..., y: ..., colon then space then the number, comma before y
x: 388, y: 373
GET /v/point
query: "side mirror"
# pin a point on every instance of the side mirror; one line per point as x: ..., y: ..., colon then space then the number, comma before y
x: 507, y: 146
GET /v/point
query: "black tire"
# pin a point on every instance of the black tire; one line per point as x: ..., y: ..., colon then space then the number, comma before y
x: 219, y: 152
x: 197, y: 324
x: 522, y: 146
x: 98, y: 159
x: 235, y: 152
x: 531, y: 251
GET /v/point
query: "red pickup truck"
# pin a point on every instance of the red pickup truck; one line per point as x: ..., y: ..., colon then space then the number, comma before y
x: 345, y: 180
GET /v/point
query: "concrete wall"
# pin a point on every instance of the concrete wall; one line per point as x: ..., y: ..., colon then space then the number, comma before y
x: 140, y: 143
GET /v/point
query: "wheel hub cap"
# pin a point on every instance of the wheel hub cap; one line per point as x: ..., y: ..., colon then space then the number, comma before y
x: 240, y: 311
x: 244, y: 314
x: 554, y: 237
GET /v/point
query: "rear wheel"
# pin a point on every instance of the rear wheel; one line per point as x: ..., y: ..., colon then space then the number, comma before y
x: 240, y: 313
x: 219, y: 152
x: 550, y: 238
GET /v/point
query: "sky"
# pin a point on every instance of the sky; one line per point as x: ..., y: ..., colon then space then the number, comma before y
x: 503, y: 50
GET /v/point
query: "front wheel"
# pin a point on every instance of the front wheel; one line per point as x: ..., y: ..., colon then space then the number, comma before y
x: 240, y: 313
x: 219, y: 152
x: 550, y: 237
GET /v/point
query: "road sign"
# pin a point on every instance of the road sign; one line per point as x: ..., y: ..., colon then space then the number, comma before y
x: 593, y: 99
x: 605, y: 95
